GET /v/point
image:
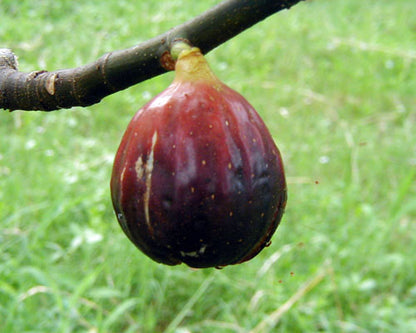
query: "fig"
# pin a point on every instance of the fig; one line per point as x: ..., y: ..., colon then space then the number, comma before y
x: 197, y: 178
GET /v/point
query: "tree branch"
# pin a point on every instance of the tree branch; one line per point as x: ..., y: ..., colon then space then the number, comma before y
x: 88, y: 84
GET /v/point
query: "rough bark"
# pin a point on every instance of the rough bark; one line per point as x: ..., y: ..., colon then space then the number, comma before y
x: 114, y: 71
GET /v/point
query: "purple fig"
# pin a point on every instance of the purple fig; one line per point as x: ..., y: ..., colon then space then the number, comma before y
x: 198, y: 178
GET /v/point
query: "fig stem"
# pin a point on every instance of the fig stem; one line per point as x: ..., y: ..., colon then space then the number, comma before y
x: 178, y: 47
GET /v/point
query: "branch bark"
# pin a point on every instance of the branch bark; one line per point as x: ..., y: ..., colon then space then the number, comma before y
x: 118, y: 70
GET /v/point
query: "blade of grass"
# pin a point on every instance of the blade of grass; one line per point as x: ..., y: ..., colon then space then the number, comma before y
x: 187, y: 307
x: 84, y: 285
x: 403, y: 190
x: 273, y: 319
x: 118, y: 312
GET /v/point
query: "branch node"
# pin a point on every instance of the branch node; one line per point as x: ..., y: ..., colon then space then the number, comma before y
x: 167, y: 62
x: 103, y: 70
x: 50, y: 84
x: 33, y: 75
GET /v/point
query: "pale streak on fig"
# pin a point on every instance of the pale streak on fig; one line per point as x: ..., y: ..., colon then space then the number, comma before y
x: 148, y: 169
x: 122, y: 174
x: 139, y: 168
x: 194, y: 254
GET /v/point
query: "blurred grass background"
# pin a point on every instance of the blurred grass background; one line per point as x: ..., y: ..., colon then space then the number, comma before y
x: 335, y: 81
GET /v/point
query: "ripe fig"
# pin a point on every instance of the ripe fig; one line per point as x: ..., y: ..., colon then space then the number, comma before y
x: 198, y: 178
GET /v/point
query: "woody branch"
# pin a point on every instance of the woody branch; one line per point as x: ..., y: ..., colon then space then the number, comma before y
x: 86, y: 85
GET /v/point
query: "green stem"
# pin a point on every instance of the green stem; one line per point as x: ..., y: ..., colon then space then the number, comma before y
x: 178, y: 47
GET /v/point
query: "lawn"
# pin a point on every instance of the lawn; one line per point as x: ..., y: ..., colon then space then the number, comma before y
x: 335, y: 81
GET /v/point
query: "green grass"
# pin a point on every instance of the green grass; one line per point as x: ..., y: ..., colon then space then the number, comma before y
x: 335, y: 82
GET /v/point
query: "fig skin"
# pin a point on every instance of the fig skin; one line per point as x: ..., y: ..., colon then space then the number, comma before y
x: 198, y: 178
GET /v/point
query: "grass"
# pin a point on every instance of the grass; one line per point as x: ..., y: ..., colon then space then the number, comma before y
x: 335, y: 82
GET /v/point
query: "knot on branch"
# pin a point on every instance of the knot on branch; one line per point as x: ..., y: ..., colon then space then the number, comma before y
x: 32, y: 91
x: 8, y: 59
